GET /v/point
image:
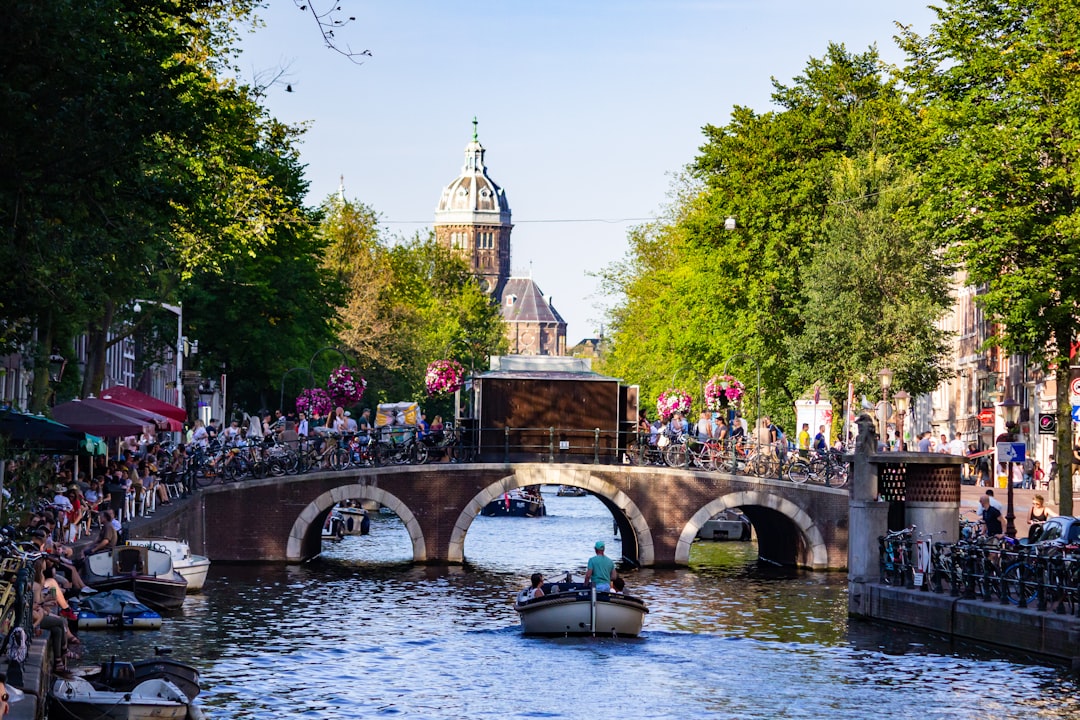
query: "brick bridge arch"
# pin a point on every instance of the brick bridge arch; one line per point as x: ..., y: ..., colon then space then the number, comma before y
x: 798, y: 541
x: 634, y: 528
x: 658, y: 510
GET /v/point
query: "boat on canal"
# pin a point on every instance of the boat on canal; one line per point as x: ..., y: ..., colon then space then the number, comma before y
x: 144, y: 571
x: 193, y: 568
x: 354, y: 518
x: 116, y: 609
x: 76, y: 698
x: 571, y: 491
x: 519, y: 502
x: 572, y: 608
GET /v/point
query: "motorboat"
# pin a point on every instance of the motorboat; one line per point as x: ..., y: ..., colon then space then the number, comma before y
x: 572, y: 608
x: 147, y: 572
x: 76, y: 698
x: 571, y: 491
x: 126, y: 676
x: 193, y: 568
x: 520, y: 502
x: 116, y: 609
x: 728, y: 525
x: 354, y: 519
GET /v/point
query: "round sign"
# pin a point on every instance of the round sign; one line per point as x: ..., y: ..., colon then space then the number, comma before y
x: 1074, y: 386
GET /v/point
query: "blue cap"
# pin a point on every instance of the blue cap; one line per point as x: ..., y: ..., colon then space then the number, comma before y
x: 599, y: 544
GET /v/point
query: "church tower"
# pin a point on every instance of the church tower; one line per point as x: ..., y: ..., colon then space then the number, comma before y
x: 473, y: 219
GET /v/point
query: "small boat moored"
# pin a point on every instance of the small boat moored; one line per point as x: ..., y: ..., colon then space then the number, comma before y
x: 354, y: 519
x: 571, y: 491
x: 116, y: 609
x: 77, y: 699
x: 146, y: 572
x: 572, y: 608
x: 193, y: 568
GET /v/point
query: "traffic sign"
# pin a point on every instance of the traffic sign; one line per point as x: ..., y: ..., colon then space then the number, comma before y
x: 1014, y: 452
x: 1074, y: 386
x: 1047, y: 423
x: 1076, y: 413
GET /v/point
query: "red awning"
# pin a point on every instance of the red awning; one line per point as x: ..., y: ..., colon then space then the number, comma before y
x: 107, y: 419
x: 123, y: 395
x: 981, y: 453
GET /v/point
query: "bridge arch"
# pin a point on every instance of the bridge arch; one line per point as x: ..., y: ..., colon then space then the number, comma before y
x: 810, y: 549
x: 305, y: 537
x: 643, y: 552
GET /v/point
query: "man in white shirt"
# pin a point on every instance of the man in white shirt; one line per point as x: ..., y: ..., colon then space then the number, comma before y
x: 957, y: 446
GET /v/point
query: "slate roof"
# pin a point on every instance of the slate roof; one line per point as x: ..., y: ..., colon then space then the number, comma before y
x: 529, y: 304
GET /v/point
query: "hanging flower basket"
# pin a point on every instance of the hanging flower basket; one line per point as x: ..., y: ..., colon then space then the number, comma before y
x: 672, y: 401
x: 345, y: 387
x: 444, y: 376
x: 314, y: 401
x: 723, y: 390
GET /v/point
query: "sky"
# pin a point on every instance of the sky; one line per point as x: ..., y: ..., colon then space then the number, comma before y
x: 586, y: 110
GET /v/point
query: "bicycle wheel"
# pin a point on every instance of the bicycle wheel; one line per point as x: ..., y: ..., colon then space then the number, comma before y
x: 204, y: 476
x: 339, y: 459
x: 420, y: 453
x: 675, y: 456
x: 836, y: 476
x: 798, y: 471
x: 1012, y: 577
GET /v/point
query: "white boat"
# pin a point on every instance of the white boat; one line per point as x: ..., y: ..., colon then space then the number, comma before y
x: 355, y: 520
x: 192, y: 567
x: 76, y: 699
x: 569, y: 608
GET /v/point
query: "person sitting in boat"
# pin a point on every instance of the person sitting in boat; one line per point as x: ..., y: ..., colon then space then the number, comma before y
x: 600, y: 569
x: 618, y: 585
x: 106, y: 538
x: 536, y: 591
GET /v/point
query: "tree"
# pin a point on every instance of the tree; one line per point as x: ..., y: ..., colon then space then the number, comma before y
x: 695, y: 294
x: 1000, y: 86
x: 874, y: 288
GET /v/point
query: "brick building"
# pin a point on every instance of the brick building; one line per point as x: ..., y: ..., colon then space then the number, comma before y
x: 473, y: 219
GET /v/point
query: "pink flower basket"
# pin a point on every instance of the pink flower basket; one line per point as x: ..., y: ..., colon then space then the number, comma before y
x: 314, y: 401
x: 345, y: 387
x: 672, y: 401
x: 723, y: 390
x: 444, y: 377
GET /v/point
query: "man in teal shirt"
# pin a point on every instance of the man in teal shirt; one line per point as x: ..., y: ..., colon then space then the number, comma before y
x: 600, y: 570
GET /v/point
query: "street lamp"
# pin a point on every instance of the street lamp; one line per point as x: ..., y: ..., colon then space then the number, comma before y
x: 901, y: 399
x: 1010, y: 413
x: 885, y: 375
x: 177, y: 310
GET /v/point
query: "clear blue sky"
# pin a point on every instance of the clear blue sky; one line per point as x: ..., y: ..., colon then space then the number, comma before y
x: 585, y: 108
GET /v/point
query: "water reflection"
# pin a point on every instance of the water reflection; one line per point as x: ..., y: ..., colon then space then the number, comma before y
x: 362, y: 632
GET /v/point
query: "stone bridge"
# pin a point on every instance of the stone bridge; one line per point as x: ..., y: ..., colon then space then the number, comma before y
x: 659, y: 510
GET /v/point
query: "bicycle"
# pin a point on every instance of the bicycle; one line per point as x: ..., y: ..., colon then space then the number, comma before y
x: 895, y: 566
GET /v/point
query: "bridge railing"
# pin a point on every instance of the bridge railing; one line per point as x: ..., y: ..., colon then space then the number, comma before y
x: 464, y: 444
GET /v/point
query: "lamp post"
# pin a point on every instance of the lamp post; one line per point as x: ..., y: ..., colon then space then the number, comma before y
x: 901, y: 399
x: 177, y: 310
x: 1010, y: 412
x: 885, y: 375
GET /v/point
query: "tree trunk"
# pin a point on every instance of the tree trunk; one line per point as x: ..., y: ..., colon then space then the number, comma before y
x: 96, y: 347
x: 1064, y: 436
x: 39, y: 395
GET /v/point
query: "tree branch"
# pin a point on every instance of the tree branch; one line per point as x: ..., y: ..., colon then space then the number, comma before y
x: 329, y: 21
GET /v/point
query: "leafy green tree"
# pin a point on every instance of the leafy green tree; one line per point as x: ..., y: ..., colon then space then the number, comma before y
x: 873, y: 289
x: 694, y: 294
x: 999, y: 84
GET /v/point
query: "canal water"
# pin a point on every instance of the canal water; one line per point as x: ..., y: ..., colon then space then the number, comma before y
x: 361, y: 633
